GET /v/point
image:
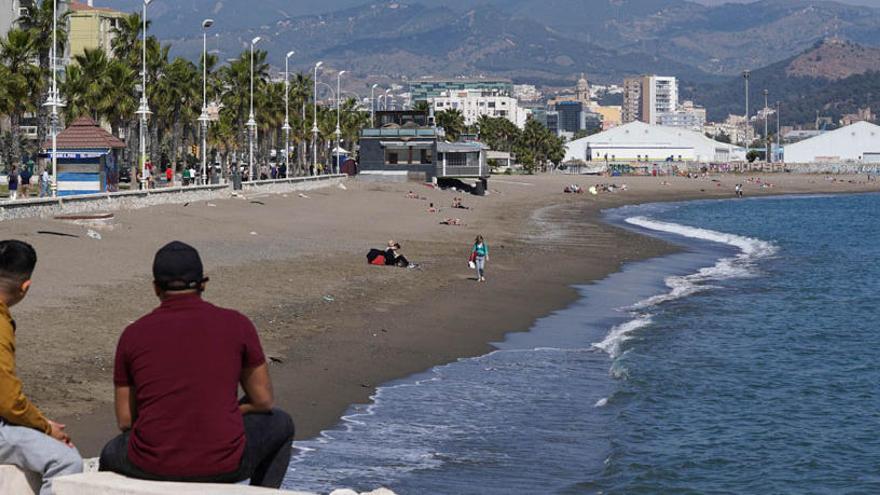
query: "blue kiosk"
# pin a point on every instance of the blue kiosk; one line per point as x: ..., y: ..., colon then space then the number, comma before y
x: 88, y: 159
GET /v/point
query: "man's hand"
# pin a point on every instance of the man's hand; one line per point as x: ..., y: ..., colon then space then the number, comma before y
x: 59, y: 434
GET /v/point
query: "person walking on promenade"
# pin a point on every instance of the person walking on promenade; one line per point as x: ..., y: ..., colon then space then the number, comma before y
x: 26, y: 175
x: 480, y: 255
x: 169, y: 176
x: 12, y: 180
x: 44, y: 183
x: 177, y: 371
x: 27, y: 438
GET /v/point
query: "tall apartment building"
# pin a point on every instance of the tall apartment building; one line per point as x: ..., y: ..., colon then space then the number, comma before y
x: 10, y: 10
x: 91, y: 27
x: 632, y: 100
x: 645, y: 98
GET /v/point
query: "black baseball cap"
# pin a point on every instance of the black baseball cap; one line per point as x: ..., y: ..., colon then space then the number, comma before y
x: 177, y: 266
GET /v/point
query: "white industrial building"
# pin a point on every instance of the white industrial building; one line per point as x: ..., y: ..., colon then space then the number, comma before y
x: 474, y: 103
x: 640, y: 142
x: 859, y: 142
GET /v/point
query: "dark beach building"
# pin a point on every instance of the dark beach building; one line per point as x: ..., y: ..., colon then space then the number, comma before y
x: 420, y: 153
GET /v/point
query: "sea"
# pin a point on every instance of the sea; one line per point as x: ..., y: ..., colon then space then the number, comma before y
x: 748, y: 363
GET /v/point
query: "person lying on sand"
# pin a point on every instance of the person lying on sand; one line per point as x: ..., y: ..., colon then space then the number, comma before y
x: 177, y: 372
x: 27, y: 438
x: 452, y: 221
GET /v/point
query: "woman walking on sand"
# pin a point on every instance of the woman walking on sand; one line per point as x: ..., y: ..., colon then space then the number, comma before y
x: 480, y: 255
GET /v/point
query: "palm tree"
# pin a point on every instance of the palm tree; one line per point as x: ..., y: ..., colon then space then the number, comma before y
x: 23, y: 81
x: 452, y: 121
x: 300, y: 93
x: 126, y: 42
x: 38, y: 20
x: 421, y: 106
x: 157, y: 62
x: 178, y: 103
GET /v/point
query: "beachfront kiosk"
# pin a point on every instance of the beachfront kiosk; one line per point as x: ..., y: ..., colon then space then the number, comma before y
x: 87, y: 159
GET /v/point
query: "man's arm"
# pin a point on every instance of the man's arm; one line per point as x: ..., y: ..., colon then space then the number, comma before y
x: 15, y: 408
x: 126, y: 408
x: 257, y: 387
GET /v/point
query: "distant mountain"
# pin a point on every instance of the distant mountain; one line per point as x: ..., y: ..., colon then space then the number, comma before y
x: 536, y: 40
x: 834, y: 77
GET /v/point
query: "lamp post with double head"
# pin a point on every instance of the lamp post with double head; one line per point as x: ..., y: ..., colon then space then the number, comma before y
x: 286, y: 128
x: 203, y: 118
x: 766, y: 131
x: 252, y: 121
x: 144, y: 109
x: 746, y: 75
x: 387, y: 92
x: 315, y: 122
x: 338, y: 119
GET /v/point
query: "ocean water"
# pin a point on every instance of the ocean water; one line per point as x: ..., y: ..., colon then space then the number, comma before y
x: 748, y: 363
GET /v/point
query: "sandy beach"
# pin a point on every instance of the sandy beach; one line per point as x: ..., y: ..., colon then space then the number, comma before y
x: 334, y: 326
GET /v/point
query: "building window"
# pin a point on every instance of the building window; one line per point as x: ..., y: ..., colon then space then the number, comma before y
x: 456, y: 159
x: 391, y: 157
x: 426, y: 156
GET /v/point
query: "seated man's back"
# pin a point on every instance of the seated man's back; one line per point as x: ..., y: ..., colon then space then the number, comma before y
x: 177, y: 373
x: 185, y: 359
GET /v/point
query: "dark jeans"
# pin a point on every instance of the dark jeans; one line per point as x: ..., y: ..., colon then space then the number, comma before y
x: 265, y: 460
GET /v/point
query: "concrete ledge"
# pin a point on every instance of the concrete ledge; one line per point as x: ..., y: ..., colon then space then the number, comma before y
x: 15, y: 481
x: 114, y: 484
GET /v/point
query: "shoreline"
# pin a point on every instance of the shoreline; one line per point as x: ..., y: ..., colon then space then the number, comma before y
x: 376, y: 324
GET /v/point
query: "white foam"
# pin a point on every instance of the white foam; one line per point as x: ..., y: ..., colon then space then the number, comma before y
x: 620, y: 334
x: 601, y: 402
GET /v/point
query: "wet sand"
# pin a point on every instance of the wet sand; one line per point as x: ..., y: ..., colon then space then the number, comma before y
x: 334, y: 326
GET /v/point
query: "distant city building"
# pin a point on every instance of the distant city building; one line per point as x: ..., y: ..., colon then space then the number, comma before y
x: 425, y: 90
x: 476, y: 103
x: 611, y: 115
x: 863, y: 115
x: 91, y: 27
x: 10, y: 10
x: 526, y: 92
x: 856, y: 143
x: 647, y: 97
x: 734, y: 127
x: 687, y: 115
x: 632, y: 100
x: 570, y: 116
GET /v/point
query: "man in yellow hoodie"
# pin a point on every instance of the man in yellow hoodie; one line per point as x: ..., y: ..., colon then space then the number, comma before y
x: 27, y: 439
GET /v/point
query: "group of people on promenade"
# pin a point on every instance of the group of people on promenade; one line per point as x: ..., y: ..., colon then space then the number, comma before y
x: 176, y: 374
x: 19, y: 182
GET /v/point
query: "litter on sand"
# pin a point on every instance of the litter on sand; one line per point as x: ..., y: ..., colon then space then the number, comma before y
x: 253, y: 233
x: 302, y: 195
x: 329, y: 299
x: 94, y: 235
x: 342, y: 186
x: 61, y: 234
x: 258, y: 203
x: 212, y: 205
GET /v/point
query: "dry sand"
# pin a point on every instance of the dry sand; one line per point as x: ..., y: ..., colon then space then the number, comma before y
x: 335, y: 327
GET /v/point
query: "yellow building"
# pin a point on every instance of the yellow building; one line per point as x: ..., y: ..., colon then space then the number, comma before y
x: 91, y: 27
x: 611, y: 115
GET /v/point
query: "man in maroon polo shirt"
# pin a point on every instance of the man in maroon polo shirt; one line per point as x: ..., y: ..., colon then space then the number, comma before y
x: 177, y: 373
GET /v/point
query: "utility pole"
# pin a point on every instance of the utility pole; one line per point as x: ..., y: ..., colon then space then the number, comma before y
x: 203, y: 119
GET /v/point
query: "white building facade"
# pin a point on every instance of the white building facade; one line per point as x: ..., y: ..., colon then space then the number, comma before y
x: 856, y: 143
x: 475, y: 103
x: 640, y: 142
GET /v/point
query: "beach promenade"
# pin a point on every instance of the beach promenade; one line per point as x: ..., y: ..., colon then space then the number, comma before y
x: 334, y: 326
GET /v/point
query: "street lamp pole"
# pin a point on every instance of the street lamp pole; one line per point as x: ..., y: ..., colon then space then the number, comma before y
x: 286, y: 126
x: 144, y: 110
x: 373, y: 105
x: 338, y: 113
x: 778, y: 131
x: 766, y: 132
x: 315, y: 122
x: 252, y: 122
x: 746, y: 75
x: 387, y: 91
x: 54, y: 101
x: 203, y: 118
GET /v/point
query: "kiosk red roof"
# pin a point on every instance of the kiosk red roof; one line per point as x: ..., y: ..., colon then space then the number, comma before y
x: 85, y: 134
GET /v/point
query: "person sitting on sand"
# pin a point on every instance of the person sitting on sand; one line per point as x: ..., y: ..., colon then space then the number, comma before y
x: 177, y: 372
x: 431, y: 208
x: 458, y: 202
x: 27, y: 438
x: 394, y: 258
x: 412, y: 195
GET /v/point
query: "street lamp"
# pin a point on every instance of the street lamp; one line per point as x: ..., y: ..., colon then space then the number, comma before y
x: 766, y: 133
x: 286, y: 127
x: 746, y: 75
x: 54, y: 100
x: 203, y: 118
x: 144, y: 109
x: 315, y: 122
x: 387, y: 91
x: 778, y: 131
x: 338, y: 113
x: 373, y: 105
x: 252, y: 122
